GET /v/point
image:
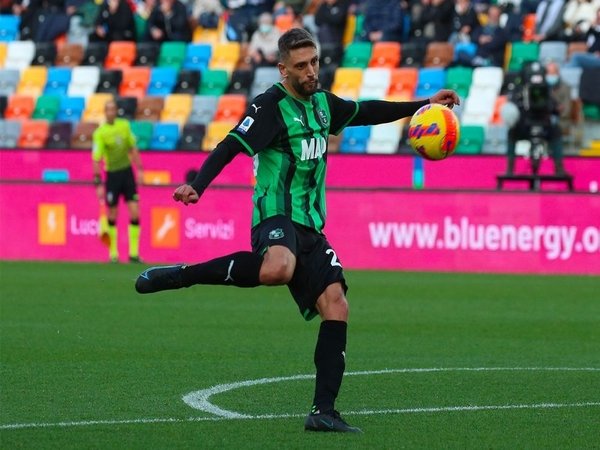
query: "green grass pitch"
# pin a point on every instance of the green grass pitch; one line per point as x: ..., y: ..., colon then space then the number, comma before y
x: 88, y: 363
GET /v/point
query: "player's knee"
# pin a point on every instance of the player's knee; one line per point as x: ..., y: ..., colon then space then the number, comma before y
x: 276, y: 274
x: 332, y: 305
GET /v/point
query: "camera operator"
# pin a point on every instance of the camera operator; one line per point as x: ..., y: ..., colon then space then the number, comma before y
x: 539, y: 111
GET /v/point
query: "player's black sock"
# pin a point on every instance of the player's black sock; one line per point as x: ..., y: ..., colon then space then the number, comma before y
x: 330, y: 360
x: 240, y: 269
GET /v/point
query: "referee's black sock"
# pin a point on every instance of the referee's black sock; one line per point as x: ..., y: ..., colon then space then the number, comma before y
x: 240, y: 269
x: 330, y: 361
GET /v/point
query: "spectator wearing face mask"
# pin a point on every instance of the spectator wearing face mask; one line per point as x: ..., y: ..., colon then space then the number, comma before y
x: 561, y: 94
x: 263, y: 44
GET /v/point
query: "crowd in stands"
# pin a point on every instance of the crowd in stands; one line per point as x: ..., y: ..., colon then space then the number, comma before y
x: 416, y: 46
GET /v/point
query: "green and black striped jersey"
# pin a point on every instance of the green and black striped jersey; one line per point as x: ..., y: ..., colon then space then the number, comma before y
x: 288, y: 139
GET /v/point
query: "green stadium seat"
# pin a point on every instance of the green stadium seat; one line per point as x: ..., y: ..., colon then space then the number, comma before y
x: 471, y: 140
x: 172, y: 54
x: 591, y: 111
x: 142, y: 131
x: 46, y: 107
x: 357, y: 54
x: 214, y: 82
x: 522, y: 52
x: 459, y: 79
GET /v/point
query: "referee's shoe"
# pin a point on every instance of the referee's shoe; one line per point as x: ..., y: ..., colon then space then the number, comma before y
x: 159, y: 278
x: 317, y: 421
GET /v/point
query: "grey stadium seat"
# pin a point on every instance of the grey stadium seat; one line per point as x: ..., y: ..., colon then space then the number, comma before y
x: 9, y: 133
x: 9, y: 79
x: 203, y: 109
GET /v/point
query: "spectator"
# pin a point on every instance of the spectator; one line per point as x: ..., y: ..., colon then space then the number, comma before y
x: 114, y: 22
x: 43, y: 20
x: 263, y: 45
x: 592, y: 57
x: 548, y: 20
x: 243, y: 16
x: 144, y: 8
x: 383, y: 21
x: 207, y: 13
x: 437, y: 18
x: 169, y: 22
x: 464, y: 21
x: 294, y: 7
x: 331, y: 18
x: 491, y: 41
x: 579, y: 18
x: 561, y: 94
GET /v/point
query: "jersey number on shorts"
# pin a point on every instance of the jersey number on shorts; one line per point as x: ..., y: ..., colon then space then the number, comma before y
x: 334, y: 260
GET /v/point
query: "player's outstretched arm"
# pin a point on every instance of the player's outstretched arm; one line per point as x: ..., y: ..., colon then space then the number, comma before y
x: 445, y: 97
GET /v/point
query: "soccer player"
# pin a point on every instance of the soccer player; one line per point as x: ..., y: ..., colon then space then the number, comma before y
x: 115, y: 144
x: 285, y: 130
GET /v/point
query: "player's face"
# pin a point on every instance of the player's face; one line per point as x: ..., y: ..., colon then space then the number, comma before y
x: 301, y: 71
x: 110, y: 110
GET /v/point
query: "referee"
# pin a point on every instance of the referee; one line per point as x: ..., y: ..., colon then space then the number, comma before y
x: 114, y: 143
x: 285, y: 130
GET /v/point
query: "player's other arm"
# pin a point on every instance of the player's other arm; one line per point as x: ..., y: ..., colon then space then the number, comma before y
x: 222, y: 155
x: 97, y: 155
x: 373, y: 112
x: 136, y: 161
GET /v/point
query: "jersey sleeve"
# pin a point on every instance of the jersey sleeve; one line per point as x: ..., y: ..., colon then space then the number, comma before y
x: 259, y: 126
x: 97, y: 147
x: 342, y: 112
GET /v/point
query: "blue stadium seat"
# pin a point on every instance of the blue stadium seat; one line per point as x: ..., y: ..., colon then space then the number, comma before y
x: 355, y: 140
x: 70, y: 109
x: 162, y: 80
x: 197, y: 56
x: 430, y: 81
x: 57, y: 81
x: 9, y: 27
x: 165, y: 136
x: 468, y: 49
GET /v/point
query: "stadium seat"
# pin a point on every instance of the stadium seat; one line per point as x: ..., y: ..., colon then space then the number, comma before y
x: 3, y: 103
x: 177, y: 108
x: 70, y: 109
x: 95, y: 54
x: 9, y: 80
x: 347, y: 82
x: 385, y: 54
x: 326, y: 76
x: 121, y: 54
x: 430, y: 81
x: 498, y: 104
x: 57, y: 81
x: 572, y: 77
x: 59, y: 135
x: 471, y: 140
x: 576, y: 47
x: 213, y: 82
x: 69, y: 55
x: 135, y: 82
x: 206, y: 35
x: 284, y: 22
x: 331, y: 54
x: 496, y: 140
x: 203, y: 109
x: 528, y: 26
x: 10, y: 130
x: 162, y: 80
x: 241, y: 82
x: 149, y: 109
x: 478, y: 108
x: 83, y: 135
x: 110, y: 81
x: 3, y: 50
x: 459, y: 79
x: 46, y: 107
x: 172, y: 54
x: 192, y: 136
x: 197, y: 57
x: 354, y: 139
x: 464, y: 50
x: 384, y: 138
x: 188, y: 82
x: 521, y: 52
x: 412, y: 54
x: 142, y: 130
x: 9, y: 27
x: 231, y: 107
x: 439, y: 54
x: 375, y: 83
x: 488, y: 78
x: 147, y: 54
x: 165, y: 136
x: 34, y: 134
x: 215, y: 133
x: 357, y: 54
x: 553, y: 51
x: 511, y: 82
x: 19, y: 55
x: 589, y: 88
x: 264, y: 78
x: 225, y: 56
x: 84, y: 81
x: 95, y: 107
x: 19, y: 107
x: 126, y: 107
x: 33, y: 80
x: 45, y: 54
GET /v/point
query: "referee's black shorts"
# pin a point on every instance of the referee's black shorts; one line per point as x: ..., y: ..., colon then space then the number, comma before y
x: 120, y: 183
x: 317, y: 265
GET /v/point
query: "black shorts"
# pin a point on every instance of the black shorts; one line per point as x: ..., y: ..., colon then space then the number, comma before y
x: 120, y: 182
x: 317, y: 265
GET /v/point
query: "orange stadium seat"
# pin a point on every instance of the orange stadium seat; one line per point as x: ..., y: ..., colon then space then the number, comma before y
x: 19, y: 107
x: 121, y: 54
x: 177, y: 108
x: 528, y: 27
x: 83, y: 136
x: 385, y: 54
x: 404, y: 82
x: 34, y: 133
x: 135, y: 82
x: 94, y: 109
x: 439, y: 54
x: 284, y: 22
x: 69, y: 54
x: 215, y: 133
x: 231, y: 107
x: 500, y: 101
x: 33, y: 81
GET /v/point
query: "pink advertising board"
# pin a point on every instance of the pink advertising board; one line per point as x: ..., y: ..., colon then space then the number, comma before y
x: 396, y: 230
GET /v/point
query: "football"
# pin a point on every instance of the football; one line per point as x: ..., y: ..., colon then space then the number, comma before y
x: 434, y: 132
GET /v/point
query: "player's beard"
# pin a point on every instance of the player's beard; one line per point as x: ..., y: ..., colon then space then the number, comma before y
x: 307, y: 88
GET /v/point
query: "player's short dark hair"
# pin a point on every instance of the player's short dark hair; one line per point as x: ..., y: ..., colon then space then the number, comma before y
x: 293, y: 39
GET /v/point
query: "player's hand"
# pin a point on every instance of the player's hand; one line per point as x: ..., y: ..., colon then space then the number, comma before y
x: 186, y: 194
x: 445, y: 97
x: 100, y: 193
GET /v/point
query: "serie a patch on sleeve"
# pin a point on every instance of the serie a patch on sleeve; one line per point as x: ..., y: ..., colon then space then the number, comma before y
x: 245, y: 125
